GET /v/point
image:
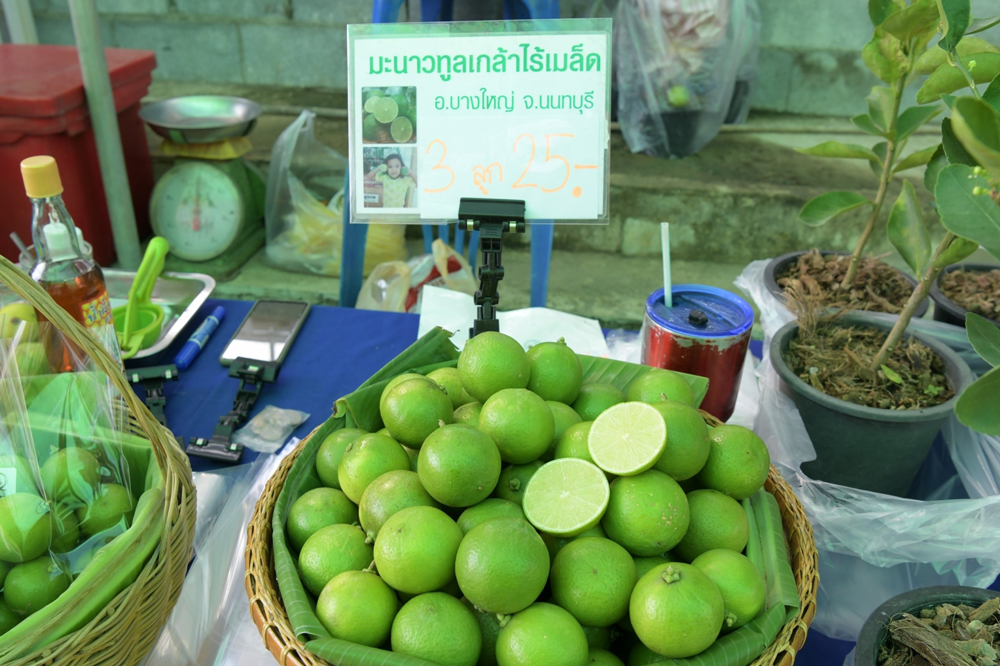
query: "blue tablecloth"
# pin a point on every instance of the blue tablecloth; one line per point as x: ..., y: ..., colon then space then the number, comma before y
x: 336, y: 350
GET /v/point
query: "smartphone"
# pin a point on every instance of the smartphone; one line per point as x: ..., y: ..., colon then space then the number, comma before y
x: 267, y: 332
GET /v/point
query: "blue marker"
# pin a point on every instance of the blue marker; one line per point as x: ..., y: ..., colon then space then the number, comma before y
x: 195, y: 343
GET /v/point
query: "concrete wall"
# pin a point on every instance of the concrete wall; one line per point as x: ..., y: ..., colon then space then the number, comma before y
x: 809, y: 63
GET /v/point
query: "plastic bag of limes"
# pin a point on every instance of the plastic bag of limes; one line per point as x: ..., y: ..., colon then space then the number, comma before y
x: 70, y: 478
x: 521, y: 508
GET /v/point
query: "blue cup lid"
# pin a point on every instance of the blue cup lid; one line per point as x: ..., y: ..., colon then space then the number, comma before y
x: 701, y: 311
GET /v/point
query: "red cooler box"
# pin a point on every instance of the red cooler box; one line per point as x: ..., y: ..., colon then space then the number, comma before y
x: 43, y: 111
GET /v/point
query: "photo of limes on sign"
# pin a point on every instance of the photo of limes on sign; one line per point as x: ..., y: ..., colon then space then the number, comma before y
x: 389, y: 115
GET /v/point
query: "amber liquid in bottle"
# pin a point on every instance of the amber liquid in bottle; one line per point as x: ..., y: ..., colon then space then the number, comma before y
x: 71, y: 296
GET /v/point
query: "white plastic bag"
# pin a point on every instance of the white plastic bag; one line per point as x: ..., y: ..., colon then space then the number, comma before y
x: 873, y: 546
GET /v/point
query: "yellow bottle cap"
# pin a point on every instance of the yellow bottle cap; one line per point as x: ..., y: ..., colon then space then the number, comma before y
x: 41, y: 177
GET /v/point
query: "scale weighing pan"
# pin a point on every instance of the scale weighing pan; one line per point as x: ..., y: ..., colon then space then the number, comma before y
x: 201, y: 118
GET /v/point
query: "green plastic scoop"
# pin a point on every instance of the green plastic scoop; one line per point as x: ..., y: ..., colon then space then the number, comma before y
x: 138, y: 322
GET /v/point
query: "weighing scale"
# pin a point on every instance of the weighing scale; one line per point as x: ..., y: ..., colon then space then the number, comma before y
x: 210, y: 205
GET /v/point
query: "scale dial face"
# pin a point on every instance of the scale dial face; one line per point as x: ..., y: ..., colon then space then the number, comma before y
x: 199, y: 210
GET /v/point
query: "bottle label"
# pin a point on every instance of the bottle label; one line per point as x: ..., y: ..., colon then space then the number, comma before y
x: 97, y: 311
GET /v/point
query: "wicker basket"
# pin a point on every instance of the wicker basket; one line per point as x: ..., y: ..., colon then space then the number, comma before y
x: 269, y: 615
x: 129, y: 625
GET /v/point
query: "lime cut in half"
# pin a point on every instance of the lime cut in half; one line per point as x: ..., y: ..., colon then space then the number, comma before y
x: 566, y: 497
x: 627, y: 438
x: 386, y: 110
x: 401, y: 129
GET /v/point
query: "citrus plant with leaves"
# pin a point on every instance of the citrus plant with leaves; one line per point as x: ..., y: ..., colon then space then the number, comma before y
x: 977, y: 406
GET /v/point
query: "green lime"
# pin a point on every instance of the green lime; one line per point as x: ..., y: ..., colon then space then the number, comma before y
x: 738, y: 580
x: 31, y: 586
x: 438, y: 628
x: 491, y: 362
x: 414, y: 409
x: 448, y: 379
x: 330, y: 551
x: 396, y: 381
x: 658, y: 385
x: 502, y: 565
x: 359, y: 607
x: 32, y: 359
x: 598, y: 638
x: 573, y: 442
x: 519, y: 422
x: 5, y: 568
x: 315, y: 509
x: 71, y: 476
x: 369, y: 127
x: 369, y: 106
x: 683, y: 598
x: 489, y: 629
x: 687, y: 441
x: 647, y: 513
x: 595, y: 398
x: 366, y: 459
x: 644, y: 564
x: 389, y: 494
x: 331, y: 451
x: 112, y: 506
x: 598, y: 657
x: 402, y: 103
x: 627, y: 438
x: 542, y: 634
x: 488, y: 509
x: 8, y: 618
x: 555, y: 543
x: 469, y: 413
x: 373, y: 93
x: 22, y: 480
x: 385, y: 110
x: 556, y: 373
x: 738, y: 462
x: 401, y: 130
x: 514, y: 479
x: 563, y: 417
x: 26, y: 526
x: 415, y: 549
x: 459, y: 465
x: 65, y: 529
x: 717, y: 521
x: 593, y: 579
x: 566, y: 497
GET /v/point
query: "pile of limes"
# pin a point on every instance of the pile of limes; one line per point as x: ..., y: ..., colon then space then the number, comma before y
x: 389, y: 118
x: 510, y: 514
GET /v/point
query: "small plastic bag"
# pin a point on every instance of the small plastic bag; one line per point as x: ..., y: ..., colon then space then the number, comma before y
x: 268, y: 431
x: 396, y: 287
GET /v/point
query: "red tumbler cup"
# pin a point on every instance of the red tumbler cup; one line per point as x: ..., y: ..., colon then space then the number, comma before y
x: 707, y: 333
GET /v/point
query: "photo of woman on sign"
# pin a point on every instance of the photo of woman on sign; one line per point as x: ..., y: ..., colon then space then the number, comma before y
x: 390, y: 179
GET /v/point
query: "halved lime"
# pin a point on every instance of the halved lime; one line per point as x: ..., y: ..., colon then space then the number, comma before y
x: 370, y: 104
x: 373, y: 93
x: 566, y: 497
x: 401, y: 129
x: 627, y: 438
x: 386, y: 109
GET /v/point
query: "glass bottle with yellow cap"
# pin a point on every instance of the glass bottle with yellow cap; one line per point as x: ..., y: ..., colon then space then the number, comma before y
x: 73, y: 279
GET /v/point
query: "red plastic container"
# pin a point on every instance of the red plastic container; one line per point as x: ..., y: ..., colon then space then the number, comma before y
x: 43, y: 111
x: 707, y: 333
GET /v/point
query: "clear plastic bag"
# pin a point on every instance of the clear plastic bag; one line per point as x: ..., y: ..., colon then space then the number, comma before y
x: 873, y: 546
x: 396, y: 286
x: 268, y: 430
x: 303, y: 207
x: 676, y: 64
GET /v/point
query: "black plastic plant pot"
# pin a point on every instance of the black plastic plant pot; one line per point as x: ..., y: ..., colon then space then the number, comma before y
x: 682, y: 132
x: 947, y: 310
x: 864, y: 447
x: 874, y: 632
x: 739, y: 103
x: 777, y: 266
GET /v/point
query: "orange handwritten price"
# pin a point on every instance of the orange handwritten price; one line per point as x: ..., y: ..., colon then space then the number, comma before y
x: 440, y: 166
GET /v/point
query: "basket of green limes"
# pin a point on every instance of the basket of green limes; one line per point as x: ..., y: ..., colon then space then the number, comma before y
x: 519, y: 508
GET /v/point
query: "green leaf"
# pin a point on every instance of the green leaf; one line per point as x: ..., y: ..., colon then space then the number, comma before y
x: 984, y: 336
x: 884, y: 56
x: 977, y: 126
x: 918, y: 20
x: 979, y: 25
x: 828, y: 206
x: 881, y: 150
x: 937, y: 162
x: 907, y: 231
x: 977, y: 406
x: 838, y: 149
x: 955, y: 15
x: 891, y: 375
x: 947, y: 78
x: 865, y: 124
x: 880, y: 106
x: 880, y: 10
x: 959, y: 249
x: 917, y: 158
x: 953, y: 148
x: 992, y: 94
x: 972, y: 216
x: 913, y: 118
x: 931, y: 59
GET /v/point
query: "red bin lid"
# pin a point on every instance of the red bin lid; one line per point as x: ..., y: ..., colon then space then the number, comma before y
x: 44, y: 80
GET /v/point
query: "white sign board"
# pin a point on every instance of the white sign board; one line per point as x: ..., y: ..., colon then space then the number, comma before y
x: 507, y: 110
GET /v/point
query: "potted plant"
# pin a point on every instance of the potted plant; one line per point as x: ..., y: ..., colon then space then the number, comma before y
x: 964, y: 288
x: 873, y: 395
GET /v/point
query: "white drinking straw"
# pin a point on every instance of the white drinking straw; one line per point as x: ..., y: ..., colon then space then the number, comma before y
x: 668, y: 296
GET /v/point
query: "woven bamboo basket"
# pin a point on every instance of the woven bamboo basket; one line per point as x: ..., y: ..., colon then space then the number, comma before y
x: 127, y: 628
x: 269, y: 614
